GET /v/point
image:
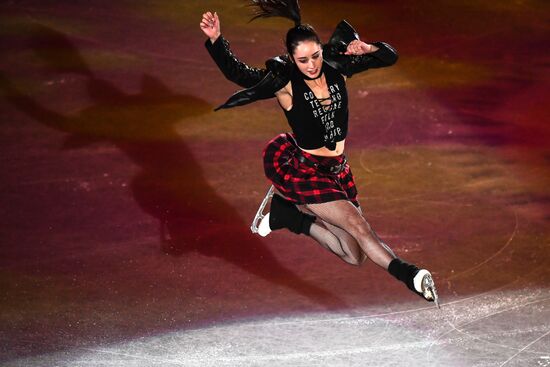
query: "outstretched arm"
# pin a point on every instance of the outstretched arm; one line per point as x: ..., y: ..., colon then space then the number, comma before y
x: 361, y: 56
x: 365, y: 56
x: 218, y: 48
x: 347, y: 53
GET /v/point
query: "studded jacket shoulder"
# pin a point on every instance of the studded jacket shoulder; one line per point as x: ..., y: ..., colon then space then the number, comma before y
x: 263, y: 83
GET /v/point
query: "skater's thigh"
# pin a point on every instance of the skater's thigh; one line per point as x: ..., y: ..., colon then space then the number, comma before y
x: 304, y: 208
x: 340, y: 213
x: 349, y: 243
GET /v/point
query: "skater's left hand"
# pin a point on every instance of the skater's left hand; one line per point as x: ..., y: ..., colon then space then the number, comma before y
x: 357, y: 47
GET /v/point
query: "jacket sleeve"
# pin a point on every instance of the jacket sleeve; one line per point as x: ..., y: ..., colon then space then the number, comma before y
x: 278, y: 74
x: 349, y: 65
x: 231, y: 67
x: 384, y: 56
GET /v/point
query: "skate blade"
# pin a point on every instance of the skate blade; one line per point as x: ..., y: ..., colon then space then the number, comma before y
x: 256, y: 222
x: 428, y: 290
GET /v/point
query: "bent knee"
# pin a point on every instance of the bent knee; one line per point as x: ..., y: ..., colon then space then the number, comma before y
x: 354, y: 260
x: 359, y: 227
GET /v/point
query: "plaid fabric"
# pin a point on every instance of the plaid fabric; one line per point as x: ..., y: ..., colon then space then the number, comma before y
x: 301, y: 183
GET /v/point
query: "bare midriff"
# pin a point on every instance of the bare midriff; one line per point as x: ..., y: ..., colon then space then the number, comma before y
x: 325, y: 152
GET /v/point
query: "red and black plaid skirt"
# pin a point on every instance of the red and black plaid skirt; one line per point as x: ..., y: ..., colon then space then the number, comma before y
x: 302, y: 183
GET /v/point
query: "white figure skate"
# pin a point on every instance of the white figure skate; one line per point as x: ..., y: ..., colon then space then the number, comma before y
x: 424, y: 283
x: 260, y: 224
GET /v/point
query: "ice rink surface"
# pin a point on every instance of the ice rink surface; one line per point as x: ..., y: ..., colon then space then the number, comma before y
x: 495, y: 329
x: 125, y: 201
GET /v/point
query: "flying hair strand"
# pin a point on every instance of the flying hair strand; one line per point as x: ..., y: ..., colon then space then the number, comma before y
x: 289, y: 9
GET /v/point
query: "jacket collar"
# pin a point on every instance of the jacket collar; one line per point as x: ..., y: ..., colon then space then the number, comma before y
x: 280, y: 68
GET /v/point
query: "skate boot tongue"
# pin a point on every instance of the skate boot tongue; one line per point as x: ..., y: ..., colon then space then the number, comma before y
x: 263, y: 228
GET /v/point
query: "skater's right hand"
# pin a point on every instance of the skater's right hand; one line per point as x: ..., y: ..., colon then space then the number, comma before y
x: 210, y: 25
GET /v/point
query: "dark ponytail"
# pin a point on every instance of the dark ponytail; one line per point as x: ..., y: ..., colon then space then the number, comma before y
x: 289, y: 9
x: 276, y: 8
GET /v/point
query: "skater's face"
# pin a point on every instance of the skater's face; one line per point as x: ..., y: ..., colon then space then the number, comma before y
x: 308, y: 56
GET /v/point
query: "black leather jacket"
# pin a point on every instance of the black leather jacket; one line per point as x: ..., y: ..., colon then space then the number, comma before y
x: 263, y: 83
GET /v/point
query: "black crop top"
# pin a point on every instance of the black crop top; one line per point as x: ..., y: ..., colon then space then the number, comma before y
x: 313, y: 124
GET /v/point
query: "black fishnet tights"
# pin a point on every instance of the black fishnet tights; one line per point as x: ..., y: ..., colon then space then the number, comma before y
x: 341, y: 228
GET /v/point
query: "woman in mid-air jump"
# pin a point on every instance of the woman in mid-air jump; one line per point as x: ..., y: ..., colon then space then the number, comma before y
x: 315, y: 193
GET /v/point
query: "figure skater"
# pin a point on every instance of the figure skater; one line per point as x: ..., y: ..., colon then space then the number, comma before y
x: 313, y: 190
